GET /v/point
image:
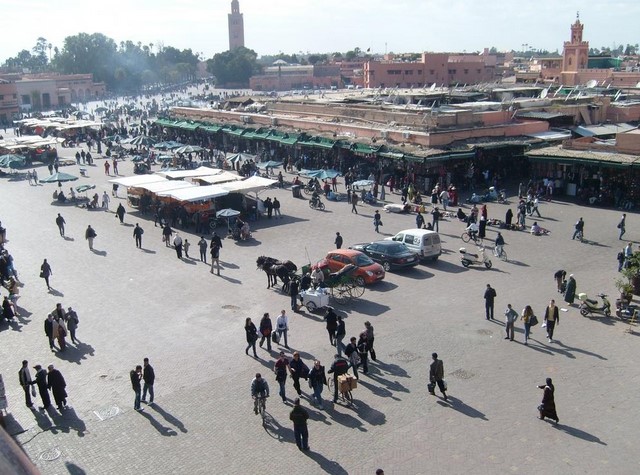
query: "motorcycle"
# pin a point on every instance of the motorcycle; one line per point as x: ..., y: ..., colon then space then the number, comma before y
x: 468, y: 259
x: 316, y: 204
x: 591, y: 307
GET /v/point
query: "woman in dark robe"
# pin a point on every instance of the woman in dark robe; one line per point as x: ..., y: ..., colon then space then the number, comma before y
x: 570, y: 293
x: 548, y: 406
x: 508, y: 217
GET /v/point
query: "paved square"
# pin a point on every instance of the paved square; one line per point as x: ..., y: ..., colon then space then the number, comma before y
x: 134, y: 303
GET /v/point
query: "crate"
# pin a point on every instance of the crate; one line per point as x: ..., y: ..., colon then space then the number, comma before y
x: 346, y: 382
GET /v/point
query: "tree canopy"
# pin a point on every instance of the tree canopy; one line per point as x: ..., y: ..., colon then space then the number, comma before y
x: 234, y: 67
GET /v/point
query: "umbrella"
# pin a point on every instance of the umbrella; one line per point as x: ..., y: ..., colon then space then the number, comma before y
x: 269, y: 164
x: 141, y: 140
x: 137, y: 158
x: 84, y: 188
x: 167, y: 145
x: 362, y: 185
x: 320, y: 174
x: 12, y: 161
x: 114, y: 138
x: 187, y: 149
x: 59, y: 177
x: 101, y: 109
x: 227, y: 213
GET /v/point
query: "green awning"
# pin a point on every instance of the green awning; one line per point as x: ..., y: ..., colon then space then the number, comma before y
x: 361, y: 148
x: 392, y: 155
x: 289, y: 139
x: 261, y: 134
x: 237, y: 131
x: 210, y: 128
x: 165, y: 122
x: 275, y: 136
x: 413, y: 159
x: 319, y: 142
x: 187, y: 125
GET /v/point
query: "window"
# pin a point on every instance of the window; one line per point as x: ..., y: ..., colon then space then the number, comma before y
x: 478, y: 71
x: 466, y: 71
x: 432, y: 71
x: 452, y: 71
x: 419, y: 71
x: 26, y: 99
x: 408, y: 72
x: 1, y: 97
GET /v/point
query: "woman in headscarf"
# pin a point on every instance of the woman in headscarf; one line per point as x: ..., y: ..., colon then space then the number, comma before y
x: 548, y: 406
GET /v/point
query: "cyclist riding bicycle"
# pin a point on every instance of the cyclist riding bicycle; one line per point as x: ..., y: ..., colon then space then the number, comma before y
x: 259, y: 389
x: 499, y: 244
x: 473, y: 229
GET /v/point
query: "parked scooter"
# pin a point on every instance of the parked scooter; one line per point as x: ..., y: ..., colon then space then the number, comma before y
x: 468, y: 259
x: 591, y: 307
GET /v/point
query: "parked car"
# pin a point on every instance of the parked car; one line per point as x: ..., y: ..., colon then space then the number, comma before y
x: 390, y: 254
x: 366, y: 272
x: 422, y: 241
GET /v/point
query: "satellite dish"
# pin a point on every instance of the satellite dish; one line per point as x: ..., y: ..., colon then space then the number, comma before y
x: 433, y: 86
x: 638, y: 85
x: 544, y: 93
x: 591, y: 84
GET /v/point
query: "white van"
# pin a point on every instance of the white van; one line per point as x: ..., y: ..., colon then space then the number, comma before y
x: 422, y: 241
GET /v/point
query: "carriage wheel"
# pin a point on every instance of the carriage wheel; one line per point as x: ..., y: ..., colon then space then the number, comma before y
x: 341, y: 293
x: 356, y: 290
x: 311, y: 306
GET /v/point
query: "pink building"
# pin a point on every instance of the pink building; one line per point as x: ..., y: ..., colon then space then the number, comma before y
x: 433, y: 68
x: 8, y: 101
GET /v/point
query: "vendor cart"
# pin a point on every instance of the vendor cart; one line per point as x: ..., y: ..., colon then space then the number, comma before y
x: 315, y: 299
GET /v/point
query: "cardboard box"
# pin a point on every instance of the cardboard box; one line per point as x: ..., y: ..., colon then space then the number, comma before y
x: 347, y: 382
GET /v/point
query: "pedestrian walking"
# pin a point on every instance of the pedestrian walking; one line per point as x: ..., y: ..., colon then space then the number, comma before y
x: 46, y: 272
x: 534, y: 207
x: 120, y: 212
x: 317, y: 381
x: 137, y: 235
x: 41, y: 382
x: 115, y: 166
x: 570, y: 292
x: 341, y: 332
x: 368, y: 330
x: 166, y: 235
x: 25, y: 381
x: 547, y: 407
x: 72, y: 323
x: 105, y: 200
x: 276, y: 208
x: 90, y: 235
x: 57, y: 385
x: 528, y: 319
x: 361, y: 345
x: 48, y: 330
x: 299, y: 416
x: 202, y: 246
x: 107, y: 166
x: 136, y: 376
x: 436, y: 215
x: 621, y: 225
x: 354, y: 202
x: 338, y: 241
x: 551, y: 319
x: 377, y: 221
x: 280, y: 368
x: 510, y: 322
x: 620, y: 258
x: 252, y: 336
x: 628, y: 254
x: 436, y: 376
x: 34, y: 174
x: 489, y: 296
x: 149, y: 378
x: 298, y: 370
x: 294, y: 290
x: 177, y: 245
x: 60, y: 222
x: 185, y: 248
x: 215, y: 256
x: 61, y: 333
x: 419, y: 220
x: 351, y: 353
x: 339, y: 367
x: 578, y: 229
x: 331, y: 317
x: 559, y: 276
x: 282, y: 327
x: 383, y: 193
x: 266, y: 328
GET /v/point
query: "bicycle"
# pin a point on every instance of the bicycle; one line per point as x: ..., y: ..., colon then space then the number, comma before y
x: 500, y: 253
x: 262, y: 405
x: 346, y: 396
x: 467, y: 236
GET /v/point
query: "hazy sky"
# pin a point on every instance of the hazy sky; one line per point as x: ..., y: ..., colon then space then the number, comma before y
x: 291, y: 26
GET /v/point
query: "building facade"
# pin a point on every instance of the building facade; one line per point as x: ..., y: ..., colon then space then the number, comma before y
x: 8, y: 101
x: 236, y: 26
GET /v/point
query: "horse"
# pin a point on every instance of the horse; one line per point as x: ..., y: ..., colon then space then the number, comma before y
x: 275, y: 268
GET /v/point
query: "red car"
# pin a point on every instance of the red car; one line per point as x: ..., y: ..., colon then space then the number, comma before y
x: 366, y: 272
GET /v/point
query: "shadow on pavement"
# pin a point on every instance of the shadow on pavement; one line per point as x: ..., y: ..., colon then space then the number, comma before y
x: 11, y: 425
x: 449, y: 267
x: 68, y: 420
x: 169, y: 418
x: 458, y: 405
x: 393, y: 369
x: 77, y: 353
x: 99, y: 253
x: 370, y: 415
x: 327, y: 466
x: 73, y: 469
x: 55, y: 292
x: 147, y: 251
x: 567, y: 350
x: 580, y: 434
x: 230, y: 279
x: 165, y: 431
x: 345, y: 419
x: 276, y: 431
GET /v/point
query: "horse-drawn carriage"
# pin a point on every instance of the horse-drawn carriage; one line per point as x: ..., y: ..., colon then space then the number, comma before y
x: 342, y: 286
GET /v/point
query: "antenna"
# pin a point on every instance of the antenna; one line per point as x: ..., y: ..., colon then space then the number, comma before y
x: 637, y: 86
x: 591, y: 84
x: 433, y: 86
x: 558, y: 90
x: 544, y: 93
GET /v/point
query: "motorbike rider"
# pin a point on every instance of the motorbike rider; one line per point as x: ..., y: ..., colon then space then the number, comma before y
x: 315, y: 198
x: 473, y: 229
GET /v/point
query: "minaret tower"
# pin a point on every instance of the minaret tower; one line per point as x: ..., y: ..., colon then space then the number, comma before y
x: 236, y: 26
x: 576, y: 51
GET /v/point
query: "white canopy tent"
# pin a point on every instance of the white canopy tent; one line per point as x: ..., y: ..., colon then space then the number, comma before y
x: 200, y: 171
x: 160, y: 186
x: 221, y: 177
x: 252, y: 184
x: 137, y: 180
x: 195, y: 193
